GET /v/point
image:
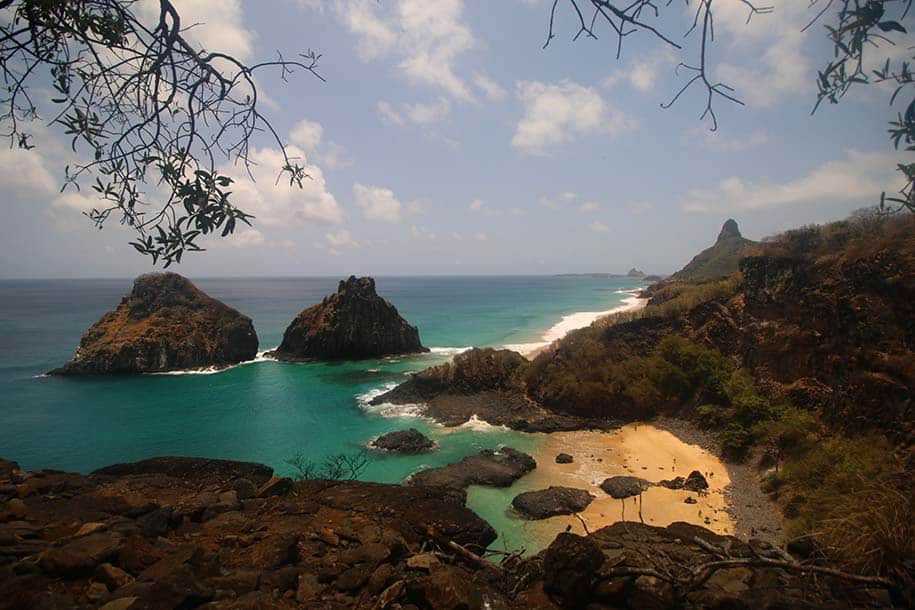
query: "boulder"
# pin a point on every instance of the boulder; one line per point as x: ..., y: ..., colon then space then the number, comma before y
x: 404, y: 441
x: 564, y: 458
x: 164, y: 324
x: 695, y: 482
x: 496, y: 469
x: 352, y: 323
x: 551, y: 502
x: 624, y: 486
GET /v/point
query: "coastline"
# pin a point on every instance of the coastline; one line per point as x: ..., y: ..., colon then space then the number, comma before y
x: 574, y: 321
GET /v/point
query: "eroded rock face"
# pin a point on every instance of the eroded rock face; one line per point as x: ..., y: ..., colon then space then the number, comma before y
x: 164, y: 324
x: 497, y: 469
x: 352, y: 323
x: 404, y: 441
x: 551, y: 502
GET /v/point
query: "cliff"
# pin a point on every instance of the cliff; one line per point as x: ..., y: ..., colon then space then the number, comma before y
x: 165, y: 323
x: 352, y: 323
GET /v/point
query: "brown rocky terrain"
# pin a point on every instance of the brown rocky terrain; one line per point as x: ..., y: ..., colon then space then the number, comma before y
x: 487, y: 383
x: 164, y: 324
x: 352, y: 323
x: 173, y: 533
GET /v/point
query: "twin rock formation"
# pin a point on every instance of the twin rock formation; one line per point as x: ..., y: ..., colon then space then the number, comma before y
x: 166, y: 323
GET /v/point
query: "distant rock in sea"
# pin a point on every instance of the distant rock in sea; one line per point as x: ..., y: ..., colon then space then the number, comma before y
x: 164, y: 324
x: 635, y: 273
x: 352, y: 323
x: 404, y: 441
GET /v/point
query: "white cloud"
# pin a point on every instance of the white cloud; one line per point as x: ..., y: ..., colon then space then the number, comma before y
x: 309, y: 135
x: 481, y: 236
x: 306, y: 134
x: 414, y: 208
x: 776, y: 63
x: 375, y: 36
x: 642, y: 75
x: 559, y: 201
x: 516, y: 211
x: 23, y: 172
x: 215, y: 25
x: 421, y: 114
x: 246, y: 238
x: 490, y: 88
x: 598, y: 227
x: 476, y: 205
x: 423, y: 233
x: 341, y: 239
x: 589, y: 206
x: 860, y: 176
x: 276, y: 203
x: 377, y: 203
x: 558, y: 113
x: 424, y: 114
x: 427, y: 38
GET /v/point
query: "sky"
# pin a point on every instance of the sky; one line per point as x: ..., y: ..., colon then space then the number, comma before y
x: 447, y: 141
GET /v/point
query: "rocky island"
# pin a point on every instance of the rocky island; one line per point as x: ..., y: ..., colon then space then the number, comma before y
x: 164, y: 324
x: 352, y: 323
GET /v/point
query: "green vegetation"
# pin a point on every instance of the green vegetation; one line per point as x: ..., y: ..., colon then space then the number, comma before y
x: 712, y: 263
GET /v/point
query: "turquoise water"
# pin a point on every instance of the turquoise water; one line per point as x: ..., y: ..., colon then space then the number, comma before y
x: 264, y: 411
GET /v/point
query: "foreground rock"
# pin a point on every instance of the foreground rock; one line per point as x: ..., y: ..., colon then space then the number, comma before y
x: 352, y: 323
x: 483, y: 383
x: 164, y: 324
x: 496, y: 469
x: 613, y: 567
x: 551, y: 502
x: 404, y: 441
x: 182, y: 533
x: 174, y: 533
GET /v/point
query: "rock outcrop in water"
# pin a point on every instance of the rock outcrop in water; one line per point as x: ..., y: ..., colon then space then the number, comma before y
x: 404, y: 441
x: 352, y: 323
x: 495, y: 469
x: 164, y: 324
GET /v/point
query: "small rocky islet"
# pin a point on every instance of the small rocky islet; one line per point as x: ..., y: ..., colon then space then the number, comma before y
x: 353, y: 323
x: 165, y: 324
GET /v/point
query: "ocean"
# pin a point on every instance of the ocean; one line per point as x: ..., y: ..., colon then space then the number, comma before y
x: 265, y: 411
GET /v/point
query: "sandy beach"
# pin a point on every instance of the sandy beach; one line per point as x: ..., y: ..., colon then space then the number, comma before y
x: 639, y: 450
x: 571, y: 322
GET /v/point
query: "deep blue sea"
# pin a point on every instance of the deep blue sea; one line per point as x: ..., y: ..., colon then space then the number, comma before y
x: 263, y: 411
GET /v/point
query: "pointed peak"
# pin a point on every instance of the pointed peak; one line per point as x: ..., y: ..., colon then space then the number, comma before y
x: 729, y: 229
x: 357, y: 285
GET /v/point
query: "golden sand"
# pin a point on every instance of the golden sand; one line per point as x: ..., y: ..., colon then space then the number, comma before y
x: 639, y: 450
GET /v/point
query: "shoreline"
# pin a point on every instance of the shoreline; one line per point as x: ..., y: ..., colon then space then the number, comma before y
x: 574, y: 321
x: 754, y: 514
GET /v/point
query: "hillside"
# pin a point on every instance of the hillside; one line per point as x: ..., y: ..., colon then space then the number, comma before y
x: 719, y: 260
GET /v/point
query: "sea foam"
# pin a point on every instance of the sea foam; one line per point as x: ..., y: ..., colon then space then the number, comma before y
x: 212, y: 370
x: 388, y: 409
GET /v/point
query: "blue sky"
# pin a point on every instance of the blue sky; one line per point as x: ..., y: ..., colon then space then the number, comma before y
x: 447, y: 141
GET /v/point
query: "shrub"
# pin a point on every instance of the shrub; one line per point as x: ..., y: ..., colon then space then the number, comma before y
x: 735, y: 441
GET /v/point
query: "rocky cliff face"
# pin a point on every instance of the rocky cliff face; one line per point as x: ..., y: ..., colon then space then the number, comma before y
x: 352, y: 323
x: 165, y: 323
